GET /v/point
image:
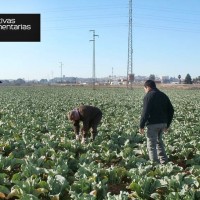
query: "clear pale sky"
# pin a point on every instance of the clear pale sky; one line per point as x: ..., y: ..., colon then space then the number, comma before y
x: 166, y: 39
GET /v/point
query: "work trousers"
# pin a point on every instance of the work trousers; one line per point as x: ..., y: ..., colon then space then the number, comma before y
x: 155, y: 145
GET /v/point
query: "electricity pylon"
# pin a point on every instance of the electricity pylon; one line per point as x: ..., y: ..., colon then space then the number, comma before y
x: 93, y: 68
x: 130, y: 75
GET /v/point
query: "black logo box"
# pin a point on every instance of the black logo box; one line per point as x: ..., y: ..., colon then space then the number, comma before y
x: 20, y: 27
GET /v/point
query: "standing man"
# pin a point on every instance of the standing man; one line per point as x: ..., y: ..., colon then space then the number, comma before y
x: 90, y: 116
x: 157, y: 115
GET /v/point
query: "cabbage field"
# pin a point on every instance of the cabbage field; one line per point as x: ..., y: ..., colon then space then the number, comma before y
x: 40, y: 158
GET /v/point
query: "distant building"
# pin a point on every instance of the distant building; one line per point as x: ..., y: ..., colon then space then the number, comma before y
x: 165, y: 79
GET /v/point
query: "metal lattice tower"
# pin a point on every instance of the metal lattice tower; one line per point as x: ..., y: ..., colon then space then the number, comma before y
x: 93, y: 69
x: 130, y: 75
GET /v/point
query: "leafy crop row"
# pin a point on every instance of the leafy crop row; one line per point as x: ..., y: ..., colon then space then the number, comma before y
x: 40, y: 158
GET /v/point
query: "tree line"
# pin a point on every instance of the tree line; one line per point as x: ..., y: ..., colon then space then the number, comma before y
x: 187, y: 80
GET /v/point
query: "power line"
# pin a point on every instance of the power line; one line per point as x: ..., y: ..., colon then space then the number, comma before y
x: 122, y: 23
x: 115, y: 14
x: 168, y: 10
x: 121, y: 5
x: 167, y: 28
x: 87, y: 17
x: 164, y: 18
x: 86, y: 26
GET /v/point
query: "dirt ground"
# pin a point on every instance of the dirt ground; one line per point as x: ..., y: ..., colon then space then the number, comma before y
x: 180, y: 86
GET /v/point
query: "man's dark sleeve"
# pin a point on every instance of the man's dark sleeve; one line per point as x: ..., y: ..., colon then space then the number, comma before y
x: 145, y: 112
x: 170, y: 113
x: 86, y: 125
x: 76, y: 127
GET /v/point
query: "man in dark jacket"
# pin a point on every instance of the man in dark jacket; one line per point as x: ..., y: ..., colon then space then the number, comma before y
x: 90, y: 116
x: 157, y: 115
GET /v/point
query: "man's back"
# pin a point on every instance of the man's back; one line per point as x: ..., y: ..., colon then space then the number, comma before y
x: 157, y: 108
x: 88, y: 112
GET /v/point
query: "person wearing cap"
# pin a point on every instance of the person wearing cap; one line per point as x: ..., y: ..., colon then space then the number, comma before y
x: 90, y: 116
x: 157, y: 115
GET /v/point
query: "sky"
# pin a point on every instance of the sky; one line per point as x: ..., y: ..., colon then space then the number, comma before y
x: 165, y: 37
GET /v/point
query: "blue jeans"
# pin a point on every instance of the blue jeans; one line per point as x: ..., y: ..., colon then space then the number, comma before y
x: 155, y: 145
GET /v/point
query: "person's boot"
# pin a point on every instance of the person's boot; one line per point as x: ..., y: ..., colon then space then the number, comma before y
x: 83, y: 140
x: 93, y: 136
x: 77, y: 137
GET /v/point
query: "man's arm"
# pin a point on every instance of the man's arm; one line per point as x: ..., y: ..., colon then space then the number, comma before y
x: 85, y: 128
x: 170, y: 111
x: 76, y: 127
x: 145, y: 112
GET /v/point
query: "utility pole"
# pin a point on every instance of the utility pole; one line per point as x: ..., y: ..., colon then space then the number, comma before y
x: 112, y: 73
x: 130, y: 75
x: 61, y: 64
x: 93, y: 69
